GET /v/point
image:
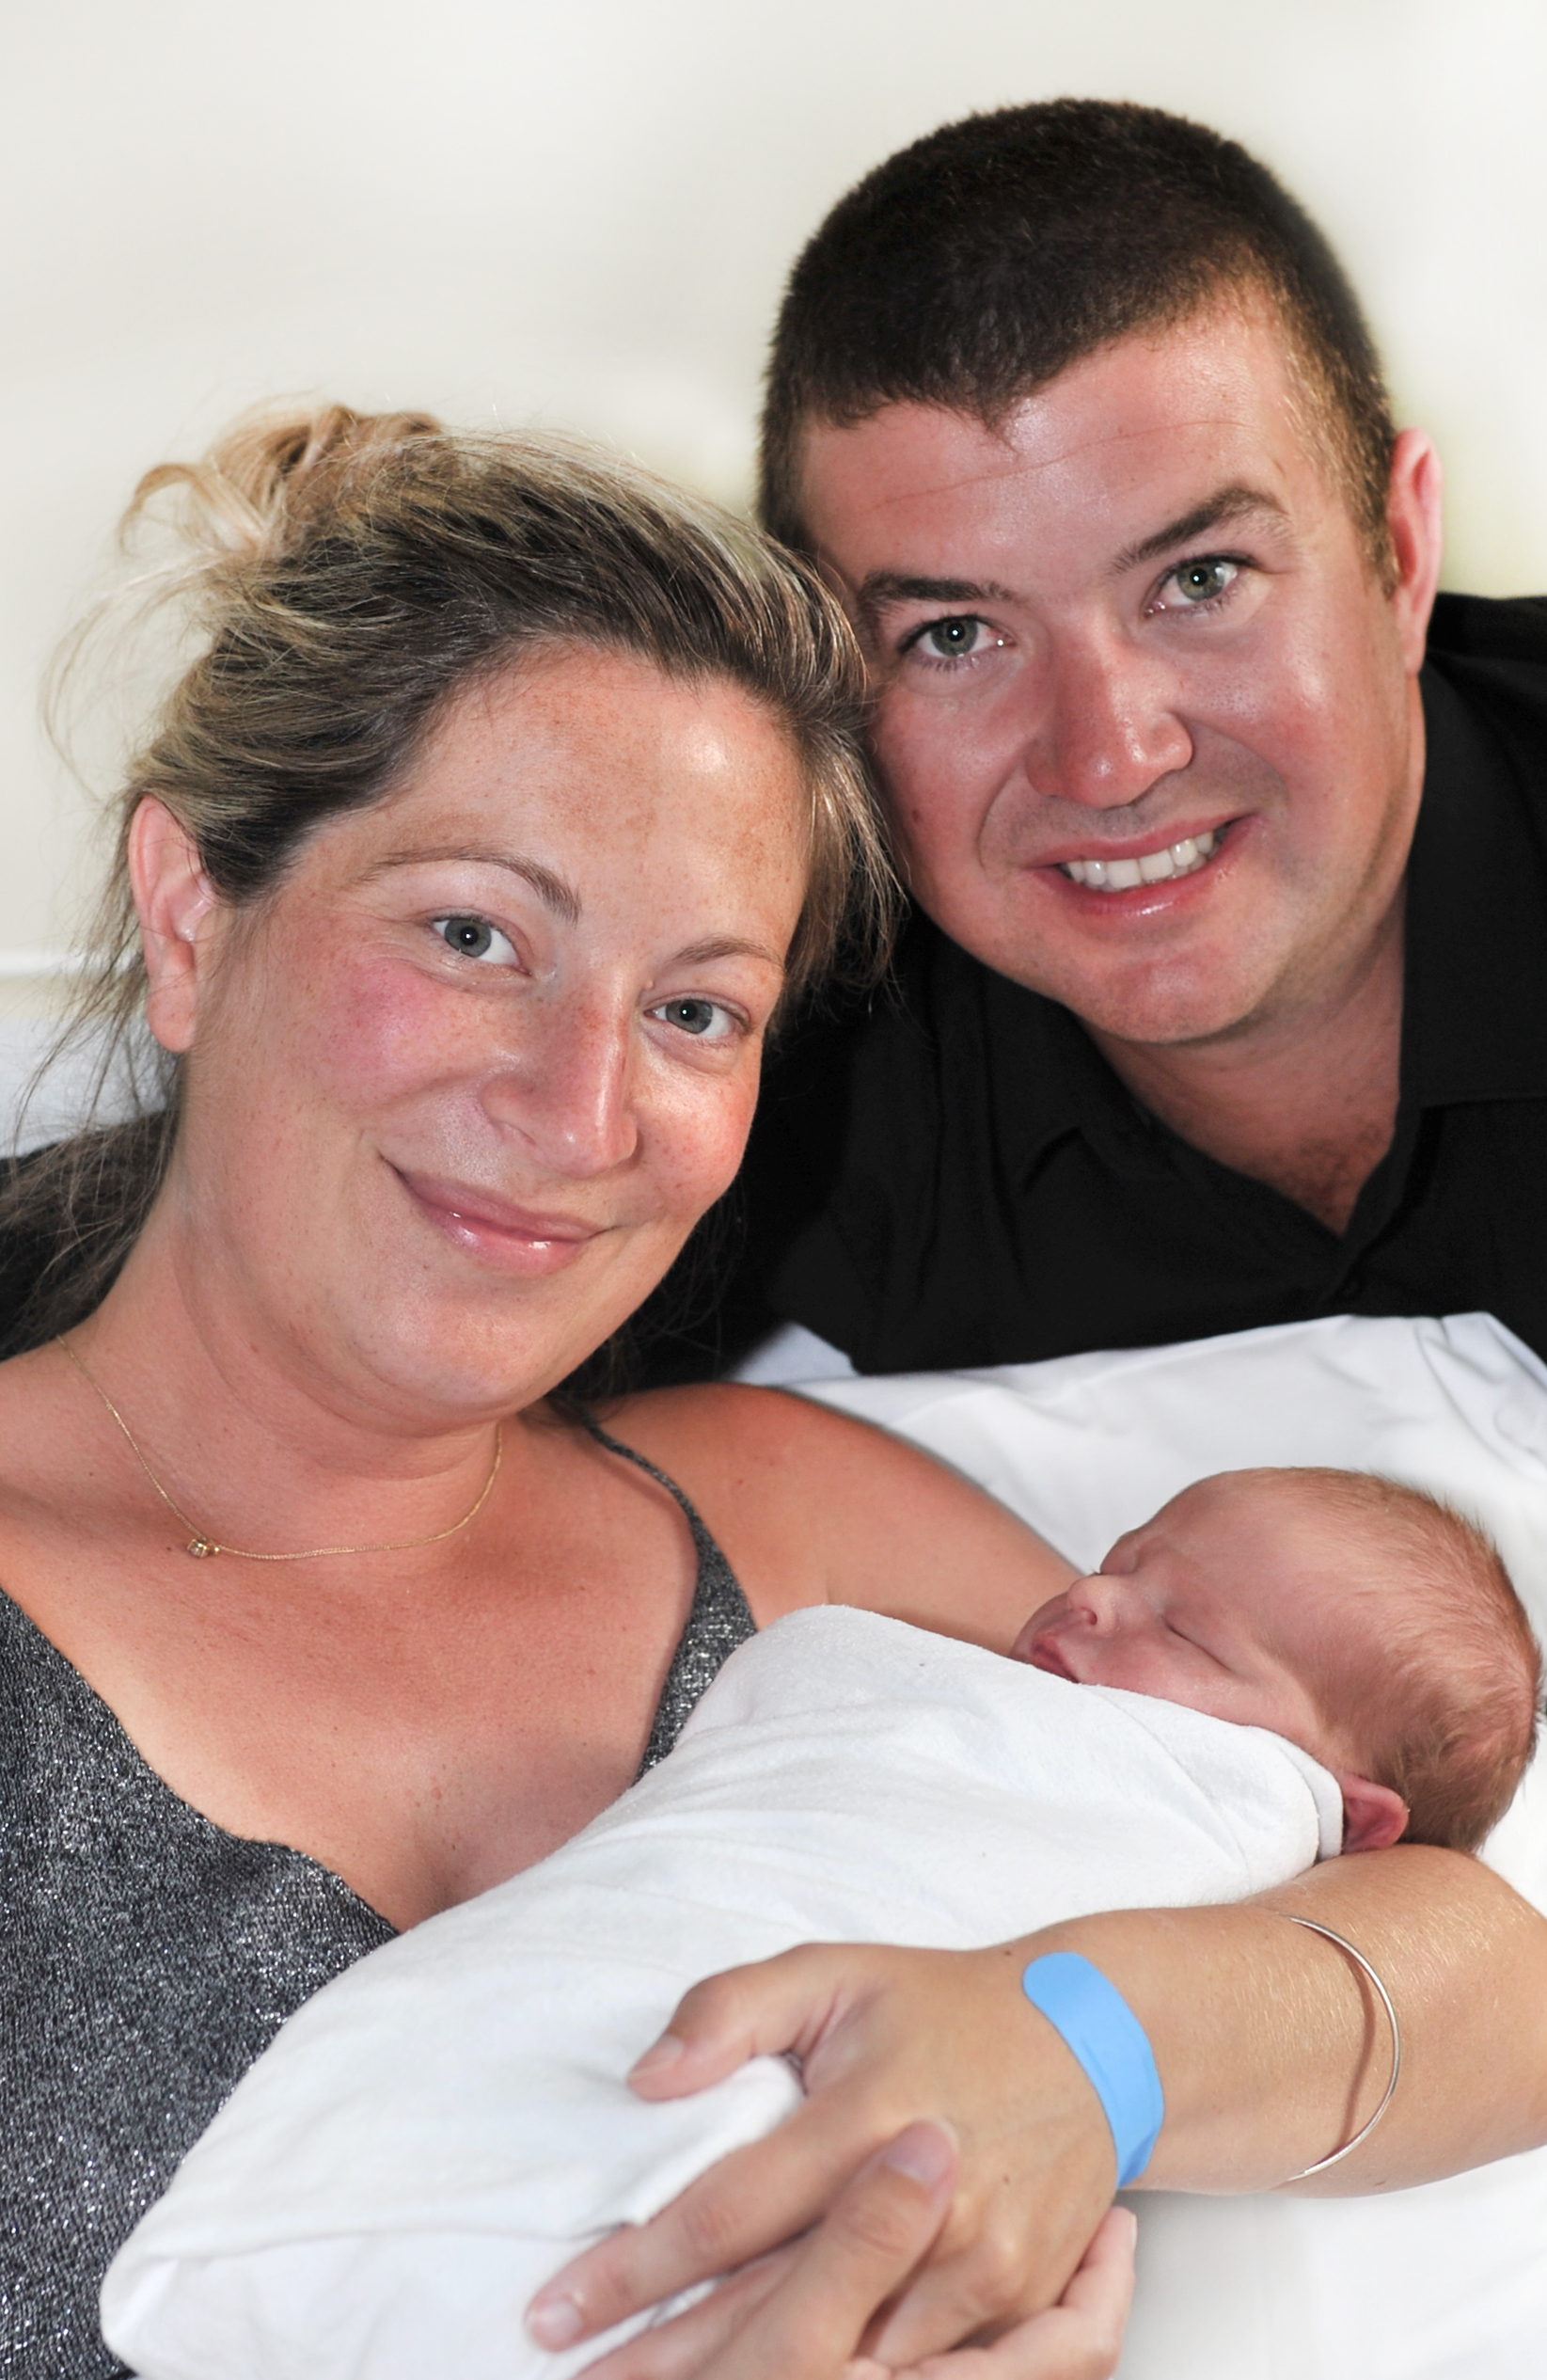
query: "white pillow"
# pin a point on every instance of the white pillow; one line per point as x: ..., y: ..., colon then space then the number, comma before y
x: 1446, y: 2282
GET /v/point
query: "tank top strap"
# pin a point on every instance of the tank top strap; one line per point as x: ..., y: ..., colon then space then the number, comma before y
x: 720, y: 1620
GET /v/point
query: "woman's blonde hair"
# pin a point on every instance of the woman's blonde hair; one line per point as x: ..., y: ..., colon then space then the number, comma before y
x: 345, y: 577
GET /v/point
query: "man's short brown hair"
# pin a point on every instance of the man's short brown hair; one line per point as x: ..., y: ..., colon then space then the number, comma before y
x: 974, y: 267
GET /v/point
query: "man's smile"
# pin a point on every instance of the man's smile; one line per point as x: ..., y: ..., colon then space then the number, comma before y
x: 1183, y: 858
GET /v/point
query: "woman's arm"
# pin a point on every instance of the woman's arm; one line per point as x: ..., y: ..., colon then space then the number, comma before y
x: 1291, y: 2028
x: 1269, y: 2055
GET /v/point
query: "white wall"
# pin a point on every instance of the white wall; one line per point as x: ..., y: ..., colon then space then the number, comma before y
x: 582, y: 212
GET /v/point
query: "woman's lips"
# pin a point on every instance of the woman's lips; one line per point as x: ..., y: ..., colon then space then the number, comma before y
x: 514, y: 1239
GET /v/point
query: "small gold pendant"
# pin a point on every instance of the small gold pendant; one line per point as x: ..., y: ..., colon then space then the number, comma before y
x: 201, y: 1546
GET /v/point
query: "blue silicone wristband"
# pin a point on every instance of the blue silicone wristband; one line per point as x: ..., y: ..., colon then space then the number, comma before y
x: 1111, y: 2044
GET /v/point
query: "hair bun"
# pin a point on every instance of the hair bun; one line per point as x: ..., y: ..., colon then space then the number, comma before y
x: 256, y: 493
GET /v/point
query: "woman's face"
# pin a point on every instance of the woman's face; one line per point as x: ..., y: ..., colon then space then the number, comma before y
x: 456, y: 1095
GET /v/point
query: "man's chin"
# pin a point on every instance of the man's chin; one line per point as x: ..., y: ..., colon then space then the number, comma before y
x: 1170, y: 1008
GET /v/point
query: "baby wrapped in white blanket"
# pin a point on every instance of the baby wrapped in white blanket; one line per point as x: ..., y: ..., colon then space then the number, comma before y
x: 440, y: 2129
x: 432, y: 2137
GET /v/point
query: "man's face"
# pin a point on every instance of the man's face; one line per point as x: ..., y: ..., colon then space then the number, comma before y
x: 1148, y: 722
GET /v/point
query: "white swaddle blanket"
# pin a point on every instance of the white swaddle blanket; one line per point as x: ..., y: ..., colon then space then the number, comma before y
x: 433, y: 2135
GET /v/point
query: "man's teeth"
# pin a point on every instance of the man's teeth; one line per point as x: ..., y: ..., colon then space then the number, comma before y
x: 1121, y: 876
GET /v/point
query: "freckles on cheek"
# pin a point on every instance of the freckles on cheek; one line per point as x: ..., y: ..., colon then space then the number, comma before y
x: 701, y: 1148
x: 386, y: 1028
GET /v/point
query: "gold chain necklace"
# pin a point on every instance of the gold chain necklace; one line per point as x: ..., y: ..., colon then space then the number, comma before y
x: 200, y: 1544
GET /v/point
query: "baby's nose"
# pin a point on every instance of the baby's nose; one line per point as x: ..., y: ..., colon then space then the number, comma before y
x: 1097, y: 1600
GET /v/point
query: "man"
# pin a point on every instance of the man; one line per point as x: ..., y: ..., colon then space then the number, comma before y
x: 1225, y: 1002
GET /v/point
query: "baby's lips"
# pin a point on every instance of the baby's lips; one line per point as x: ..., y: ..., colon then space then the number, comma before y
x: 1040, y: 1647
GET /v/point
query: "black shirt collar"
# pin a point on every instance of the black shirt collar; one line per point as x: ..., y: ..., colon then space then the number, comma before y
x: 1475, y: 1018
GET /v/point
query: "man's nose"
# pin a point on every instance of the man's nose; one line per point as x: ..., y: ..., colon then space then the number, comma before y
x: 1106, y: 726
x: 569, y: 1091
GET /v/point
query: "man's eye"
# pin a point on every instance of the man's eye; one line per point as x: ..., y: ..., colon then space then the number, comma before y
x: 958, y: 639
x: 1204, y: 580
x: 475, y: 937
x: 705, y: 1020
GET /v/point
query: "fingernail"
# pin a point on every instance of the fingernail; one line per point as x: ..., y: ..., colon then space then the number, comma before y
x: 660, y: 2054
x: 925, y: 2152
x: 554, y: 2322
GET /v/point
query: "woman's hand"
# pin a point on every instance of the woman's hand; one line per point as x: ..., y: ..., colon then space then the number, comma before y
x: 1079, y: 2338
x: 884, y: 2220
x: 891, y: 2044
x: 1268, y: 2053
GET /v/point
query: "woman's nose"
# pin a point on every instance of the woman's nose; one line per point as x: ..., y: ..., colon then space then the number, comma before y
x: 568, y: 1093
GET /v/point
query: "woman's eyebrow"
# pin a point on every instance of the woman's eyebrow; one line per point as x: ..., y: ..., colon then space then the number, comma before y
x: 550, y: 888
x: 700, y: 953
x: 563, y: 900
x: 1234, y: 502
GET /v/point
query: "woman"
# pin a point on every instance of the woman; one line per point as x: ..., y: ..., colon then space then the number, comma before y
x: 470, y: 862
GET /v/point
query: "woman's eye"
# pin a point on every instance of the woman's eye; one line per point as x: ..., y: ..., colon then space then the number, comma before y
x: 705, y: 1020
x: 1203, y: 580
x: 475, y: 937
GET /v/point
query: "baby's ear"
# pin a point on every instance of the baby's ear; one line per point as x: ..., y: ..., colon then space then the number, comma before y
x: 1373, y: 1815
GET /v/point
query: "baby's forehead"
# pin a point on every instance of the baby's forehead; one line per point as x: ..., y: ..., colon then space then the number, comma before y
x: 1279, y: 1499
x: 1256, y: 1528
x: 1287, y: 1498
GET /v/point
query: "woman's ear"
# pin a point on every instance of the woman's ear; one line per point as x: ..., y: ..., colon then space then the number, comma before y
x: 175, y: 901
x: 1373, y: 1815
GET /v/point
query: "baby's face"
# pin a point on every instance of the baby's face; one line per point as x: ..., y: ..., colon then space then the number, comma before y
x: 1221, y: 1602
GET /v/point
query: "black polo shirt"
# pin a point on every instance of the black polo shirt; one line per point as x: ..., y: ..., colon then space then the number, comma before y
x: 958, y: 1178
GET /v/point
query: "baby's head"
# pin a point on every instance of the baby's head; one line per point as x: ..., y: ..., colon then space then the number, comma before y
x: 1366, y: 1622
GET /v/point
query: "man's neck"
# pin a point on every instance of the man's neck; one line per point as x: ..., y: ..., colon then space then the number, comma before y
x: 1306, y: 1102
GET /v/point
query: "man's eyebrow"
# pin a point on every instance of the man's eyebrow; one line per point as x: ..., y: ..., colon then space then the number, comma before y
x: 551, y: 889
x: 1226, y: 504
x: 880, y: 587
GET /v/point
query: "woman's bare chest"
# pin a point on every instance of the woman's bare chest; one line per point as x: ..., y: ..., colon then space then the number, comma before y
x: 423, y: 1731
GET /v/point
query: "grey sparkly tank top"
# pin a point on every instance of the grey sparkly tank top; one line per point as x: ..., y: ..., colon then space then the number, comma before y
x: 147, y: 1957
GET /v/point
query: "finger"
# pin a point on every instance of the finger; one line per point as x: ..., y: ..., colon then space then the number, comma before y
x: 777, y: 2006
x: 1103, y: 2284
x: 686, y: 2344
x: 1079, y: 2338
x: 993, y: 2267
x: 747, y: 2203
x: 882, y: 2224
x: 1004, y: 2277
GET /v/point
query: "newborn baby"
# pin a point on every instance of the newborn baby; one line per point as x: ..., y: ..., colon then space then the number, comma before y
x: 429, y: 2138
x: 1369, y: 1623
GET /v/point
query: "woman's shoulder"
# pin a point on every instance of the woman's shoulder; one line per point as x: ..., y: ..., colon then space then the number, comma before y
x: 722, y: 1441
x: 812, y: 1506
x: 748, y: 1459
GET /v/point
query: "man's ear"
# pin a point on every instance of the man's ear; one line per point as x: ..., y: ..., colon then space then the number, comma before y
x: 1373, y: 1815
x: 1414, y: 517
x: 175, y: 900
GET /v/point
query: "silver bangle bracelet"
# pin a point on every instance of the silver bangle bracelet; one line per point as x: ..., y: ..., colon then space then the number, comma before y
x: 1364, y: 2129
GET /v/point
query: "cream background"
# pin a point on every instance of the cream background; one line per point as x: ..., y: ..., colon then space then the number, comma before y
x: 582, y: 214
